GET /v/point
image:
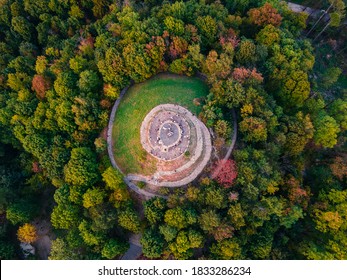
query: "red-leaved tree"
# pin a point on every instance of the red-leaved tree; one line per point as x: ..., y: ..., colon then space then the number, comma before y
x: 339, y: 167
x: 223, y: 231
x: 229, y: 37
x: 296, y: 194
x: 225, y: 172
x: 178, y: 47
x: 40, y: 85
x: 86, y: 44
x: 244, y: 75
x: 36, y: 167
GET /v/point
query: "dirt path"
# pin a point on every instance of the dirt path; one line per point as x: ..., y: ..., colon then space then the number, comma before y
x: 43, y: 247
x: 135, y: 249
x: 44, y: 242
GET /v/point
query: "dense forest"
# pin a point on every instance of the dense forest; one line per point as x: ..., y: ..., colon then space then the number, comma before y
x: 63, y: 64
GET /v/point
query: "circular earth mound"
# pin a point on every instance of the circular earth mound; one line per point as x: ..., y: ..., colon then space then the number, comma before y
x: 157, y: 137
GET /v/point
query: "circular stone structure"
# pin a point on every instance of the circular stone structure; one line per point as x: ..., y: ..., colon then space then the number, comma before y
x: 179, y: 141
x: 165, y: 134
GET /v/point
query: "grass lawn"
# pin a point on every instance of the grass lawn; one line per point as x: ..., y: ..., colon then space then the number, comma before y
x: 136, y: 104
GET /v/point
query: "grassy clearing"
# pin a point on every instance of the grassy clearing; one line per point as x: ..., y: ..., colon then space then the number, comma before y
x: 136, y: 104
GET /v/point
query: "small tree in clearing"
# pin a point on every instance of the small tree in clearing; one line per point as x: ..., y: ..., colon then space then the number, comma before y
x: 27, y: 233
x: 225, y: 172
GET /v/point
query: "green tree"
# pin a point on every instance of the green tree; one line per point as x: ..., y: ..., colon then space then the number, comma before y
x: 103, y: 216
x: 65, y: 116
x: 253, y: 129
x: 129, y: 220
x: 76, y: 12
x: 215, y: 197
x: 292, y: 216
x: 152, y: 243
x: 113, y: 178
x: 209, y: 221
x: 180, y: 218
x: 36, y: 8
x: 61, y: 251
x: 174, y: 26
x: 114, y: 181
x: 246, y: 53
x: 223, y: 129
x: 330, y: 77
x: 89, y: 235
x: 208, y: 29
x: 185, y: 242
x: 78, y: 64
x: 114, y: 248
x: 93, y: 196
x: 296, y: 89
x: 82, y: 168
x: 7, y: 251
x: 100, y: 8
x: 338, y: 111
x: 300, y: 131
x: 21, y: 212
x: 236, y: 215
x: 326, y: 131
x: 168, y: 232
x: 154, y: 209
x: 65, y: 216
x: 268, y: 36
x: 113, y: 69
x: 137, y: 62
x: 227, y: 249
x: 65, y: 85
x: 23, y: 27
x: 328, y: 228
x: 89, y: 81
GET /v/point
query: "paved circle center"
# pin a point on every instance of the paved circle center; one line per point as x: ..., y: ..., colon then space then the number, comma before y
x: 169, y: 133
x: 165, y: 133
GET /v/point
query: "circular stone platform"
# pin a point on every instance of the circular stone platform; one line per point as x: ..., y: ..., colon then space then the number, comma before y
x: 165, y: 135
x: 179, y: 141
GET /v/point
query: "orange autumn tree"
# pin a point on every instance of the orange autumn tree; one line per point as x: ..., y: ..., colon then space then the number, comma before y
x: 264, y: 15
x: 40, y: 85
x: 229, y: 37
x: 178, y: 47
x: 27, y: 233
x: 297, y: 195
x: 225, y: 172
x: 243, y: 74
x: 339, y: 167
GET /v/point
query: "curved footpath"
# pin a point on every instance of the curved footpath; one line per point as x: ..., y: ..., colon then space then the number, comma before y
x: 135, y: 249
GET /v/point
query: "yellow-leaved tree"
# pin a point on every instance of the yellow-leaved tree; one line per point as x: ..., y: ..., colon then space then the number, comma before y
x: 27, y: 233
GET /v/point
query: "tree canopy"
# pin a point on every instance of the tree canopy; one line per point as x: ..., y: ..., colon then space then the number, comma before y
x: 282, y: 85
